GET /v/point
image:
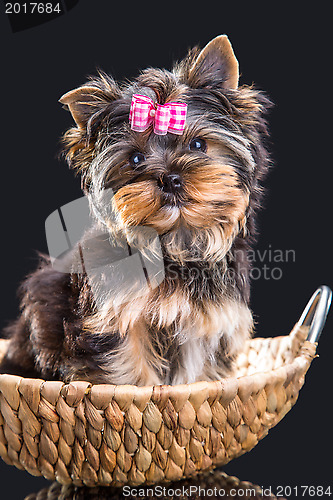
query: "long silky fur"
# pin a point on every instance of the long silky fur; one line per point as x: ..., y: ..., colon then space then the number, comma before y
x: 195, y: 322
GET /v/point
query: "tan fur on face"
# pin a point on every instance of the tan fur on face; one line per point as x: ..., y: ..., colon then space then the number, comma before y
x: 207, y: 186
x: 213, y: 205
x: 137, y: 203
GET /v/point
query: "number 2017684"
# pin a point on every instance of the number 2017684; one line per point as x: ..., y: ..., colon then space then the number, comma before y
x: 32, y: 8
x: 303, y: 491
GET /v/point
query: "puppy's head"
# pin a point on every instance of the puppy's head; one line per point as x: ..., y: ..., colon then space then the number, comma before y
x: 204, y: 182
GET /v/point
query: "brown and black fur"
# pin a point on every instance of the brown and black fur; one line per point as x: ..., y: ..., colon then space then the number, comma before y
x: 195, y: 322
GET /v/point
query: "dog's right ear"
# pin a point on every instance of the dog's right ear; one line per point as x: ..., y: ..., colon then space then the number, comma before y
x: 82, y: 103
x: 91, y: 99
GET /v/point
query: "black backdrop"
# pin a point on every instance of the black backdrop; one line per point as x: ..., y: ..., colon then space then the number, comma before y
x: 280, y: 49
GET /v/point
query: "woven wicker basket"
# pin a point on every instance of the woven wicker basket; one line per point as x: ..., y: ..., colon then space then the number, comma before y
x: 115, y: 435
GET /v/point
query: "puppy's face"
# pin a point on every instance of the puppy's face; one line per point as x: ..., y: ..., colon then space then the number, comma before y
x: 172, y: 181
x: 197, y: 181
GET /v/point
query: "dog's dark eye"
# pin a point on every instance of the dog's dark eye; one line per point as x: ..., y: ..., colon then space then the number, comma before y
x: 136, y: 159
x: 198, y: 144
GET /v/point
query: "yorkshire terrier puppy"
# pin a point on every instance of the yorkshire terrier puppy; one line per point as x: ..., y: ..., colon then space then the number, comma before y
x: 183, y: 153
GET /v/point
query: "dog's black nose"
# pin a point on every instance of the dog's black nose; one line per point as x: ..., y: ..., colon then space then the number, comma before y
x: 170, y: 183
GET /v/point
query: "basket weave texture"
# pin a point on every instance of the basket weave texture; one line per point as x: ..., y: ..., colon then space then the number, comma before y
x: 115, y: 435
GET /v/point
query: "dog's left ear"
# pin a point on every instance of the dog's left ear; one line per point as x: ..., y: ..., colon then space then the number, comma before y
x: 215, y: 65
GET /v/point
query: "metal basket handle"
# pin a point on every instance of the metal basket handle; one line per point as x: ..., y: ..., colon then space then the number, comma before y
x: 315, y: 312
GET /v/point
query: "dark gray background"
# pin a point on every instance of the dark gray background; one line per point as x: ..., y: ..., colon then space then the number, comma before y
x: 280, y: 49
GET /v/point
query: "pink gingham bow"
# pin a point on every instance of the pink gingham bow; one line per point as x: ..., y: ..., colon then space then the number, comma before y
x: 168, y: 117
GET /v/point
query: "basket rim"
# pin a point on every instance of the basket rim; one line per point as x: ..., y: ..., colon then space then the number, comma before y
x: 312, y: 322
x: 105, y: 392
